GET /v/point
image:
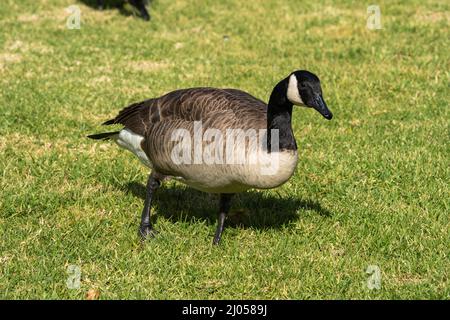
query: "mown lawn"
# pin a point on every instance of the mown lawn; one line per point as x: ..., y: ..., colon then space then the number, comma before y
x: 371, y: 187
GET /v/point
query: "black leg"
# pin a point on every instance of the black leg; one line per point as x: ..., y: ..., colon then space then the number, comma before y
x: 224, y: 207
x: 141, y: 7
x: 146, y: 229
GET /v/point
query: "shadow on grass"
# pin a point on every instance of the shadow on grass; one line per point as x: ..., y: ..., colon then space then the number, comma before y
x: 248, y: 210
x: 113, y: 4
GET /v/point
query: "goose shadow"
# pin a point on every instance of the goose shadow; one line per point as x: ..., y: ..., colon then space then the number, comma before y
x: 250, y: 209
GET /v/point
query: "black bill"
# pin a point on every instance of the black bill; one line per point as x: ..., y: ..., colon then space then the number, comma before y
x: 321, y: 106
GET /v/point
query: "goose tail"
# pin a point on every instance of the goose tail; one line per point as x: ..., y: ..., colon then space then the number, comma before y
x: 109, y: 122
x: 103, y: 136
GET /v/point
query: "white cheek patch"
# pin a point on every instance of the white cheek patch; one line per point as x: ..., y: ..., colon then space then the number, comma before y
x: 292, y: 93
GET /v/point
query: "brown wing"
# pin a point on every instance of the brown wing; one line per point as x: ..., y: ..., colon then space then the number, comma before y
x: 196, y: 104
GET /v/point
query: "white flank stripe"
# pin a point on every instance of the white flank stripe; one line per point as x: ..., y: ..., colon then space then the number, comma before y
x: 131, y: 141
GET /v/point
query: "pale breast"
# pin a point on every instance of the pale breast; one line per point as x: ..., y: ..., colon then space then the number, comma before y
x: 272, y: 170
x: 245, y: 167
x: 269, y: 170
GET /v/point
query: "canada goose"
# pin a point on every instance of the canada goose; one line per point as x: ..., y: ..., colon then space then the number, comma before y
x: 152, y: 128
x: 139, y: 4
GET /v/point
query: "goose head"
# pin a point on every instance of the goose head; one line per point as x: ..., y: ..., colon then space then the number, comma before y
x: 303, y: 89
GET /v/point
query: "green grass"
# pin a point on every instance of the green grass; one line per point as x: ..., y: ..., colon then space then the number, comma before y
x: 371, y: 186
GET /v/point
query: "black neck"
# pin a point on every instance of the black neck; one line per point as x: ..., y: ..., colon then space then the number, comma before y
x: 279, y: 117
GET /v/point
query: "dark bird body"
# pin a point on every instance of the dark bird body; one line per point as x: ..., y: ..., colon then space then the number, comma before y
x: 139, y: 4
